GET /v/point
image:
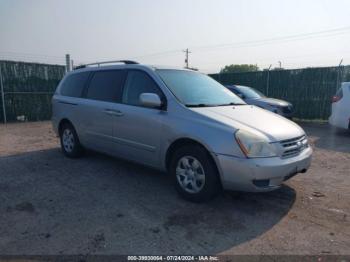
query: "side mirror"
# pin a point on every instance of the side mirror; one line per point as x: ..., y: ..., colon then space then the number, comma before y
x: 150, y: 100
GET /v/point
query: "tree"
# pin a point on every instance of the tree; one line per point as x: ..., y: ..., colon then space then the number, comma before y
x: 239, y: 68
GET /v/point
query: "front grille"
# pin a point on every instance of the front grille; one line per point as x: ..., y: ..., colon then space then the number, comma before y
x: 293, y: 147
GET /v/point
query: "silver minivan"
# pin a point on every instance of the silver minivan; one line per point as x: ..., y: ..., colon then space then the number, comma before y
x: 179, y: 121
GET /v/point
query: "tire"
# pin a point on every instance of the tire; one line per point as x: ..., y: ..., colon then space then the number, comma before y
x: 70, y: 143
x: 195, y: 174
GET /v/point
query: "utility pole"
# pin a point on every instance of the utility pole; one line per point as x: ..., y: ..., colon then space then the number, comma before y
x: 186, y: 59
x: 280, y: 63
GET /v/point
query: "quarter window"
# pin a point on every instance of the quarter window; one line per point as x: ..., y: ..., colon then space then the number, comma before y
x: 74, y: 84
x: 106, y: 86
x: 138, y: 82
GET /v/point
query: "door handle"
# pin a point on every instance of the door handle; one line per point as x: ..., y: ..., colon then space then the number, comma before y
x: 114, y: 112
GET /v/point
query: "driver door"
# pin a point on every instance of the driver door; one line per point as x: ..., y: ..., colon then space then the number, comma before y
x: 138, y: 130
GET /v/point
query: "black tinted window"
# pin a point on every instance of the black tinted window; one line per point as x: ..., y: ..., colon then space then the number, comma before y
x: 138, y: 82
x: 106, y: 85
x: 74, y: 84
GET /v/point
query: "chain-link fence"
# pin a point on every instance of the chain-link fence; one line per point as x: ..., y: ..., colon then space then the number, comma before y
x: 28, y: 88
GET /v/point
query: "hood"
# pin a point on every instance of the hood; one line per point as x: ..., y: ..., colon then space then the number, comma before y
x: 253, y: 119
x: 273, y: 101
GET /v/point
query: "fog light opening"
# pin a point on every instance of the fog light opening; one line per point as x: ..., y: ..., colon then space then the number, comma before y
x: 261, y: 182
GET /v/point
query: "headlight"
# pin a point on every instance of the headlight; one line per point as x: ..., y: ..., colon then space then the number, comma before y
x: 253, y: 145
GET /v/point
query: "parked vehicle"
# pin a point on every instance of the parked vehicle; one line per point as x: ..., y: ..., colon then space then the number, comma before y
x: 341, y: 107
x: 179, y: 121
x: 254, y: 97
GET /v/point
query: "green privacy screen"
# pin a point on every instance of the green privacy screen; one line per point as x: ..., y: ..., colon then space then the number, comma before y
x: 29, y: 87
x: 310, y: 89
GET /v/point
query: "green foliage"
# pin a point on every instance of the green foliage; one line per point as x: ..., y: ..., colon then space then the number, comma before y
x: 239, y: 68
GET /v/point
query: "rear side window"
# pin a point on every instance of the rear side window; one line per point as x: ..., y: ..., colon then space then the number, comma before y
x: 138, y: 82
x: 74, y: 84
x: 106, y: 86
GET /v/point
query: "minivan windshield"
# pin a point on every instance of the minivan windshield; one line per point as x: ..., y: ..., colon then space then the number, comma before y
x: 194, y: 89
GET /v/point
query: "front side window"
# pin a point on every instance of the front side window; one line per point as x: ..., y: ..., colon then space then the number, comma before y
x: 74, y: 84
x: 197, y: 90
x: 106, y: 86
x: 138, y: 82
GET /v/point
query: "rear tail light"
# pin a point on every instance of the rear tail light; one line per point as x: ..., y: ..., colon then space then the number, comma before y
x: 335, y: 99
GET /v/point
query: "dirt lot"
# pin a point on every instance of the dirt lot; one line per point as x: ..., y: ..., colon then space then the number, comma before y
x: 97, y: 204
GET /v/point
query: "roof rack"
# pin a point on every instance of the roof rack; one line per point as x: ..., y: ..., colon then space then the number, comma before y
x: 127, y: 62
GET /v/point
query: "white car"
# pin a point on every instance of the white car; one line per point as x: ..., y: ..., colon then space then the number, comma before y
x: 341, y: 107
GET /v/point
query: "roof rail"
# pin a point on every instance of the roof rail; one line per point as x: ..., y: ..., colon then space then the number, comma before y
x: 127, y: 62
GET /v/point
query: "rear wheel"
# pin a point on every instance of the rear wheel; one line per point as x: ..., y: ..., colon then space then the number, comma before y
x: 70, y: 144
x: 195, y: 174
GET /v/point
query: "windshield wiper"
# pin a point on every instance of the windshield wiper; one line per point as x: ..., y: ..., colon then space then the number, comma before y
x: 199, y: 105
x: 232, y: 104
x: 214, y: 105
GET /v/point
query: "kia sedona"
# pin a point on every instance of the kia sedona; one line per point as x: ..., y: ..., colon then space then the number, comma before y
x: 179, y: 121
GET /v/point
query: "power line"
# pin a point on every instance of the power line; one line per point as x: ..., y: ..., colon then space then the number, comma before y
x: 259, y: 42
x: 331, y: 32
x: 268, y: 60
x: 157, y: 54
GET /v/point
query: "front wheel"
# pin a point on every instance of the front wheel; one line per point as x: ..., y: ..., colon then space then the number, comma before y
x: 70, y: 144
x: 195, y: 174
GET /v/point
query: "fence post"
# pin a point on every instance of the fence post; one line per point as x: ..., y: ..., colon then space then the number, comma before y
x: 68, y: 63
x: 2, y: 96
x: 338, y: 74
x: 268, y: 81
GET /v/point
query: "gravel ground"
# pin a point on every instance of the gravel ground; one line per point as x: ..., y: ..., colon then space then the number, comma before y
x: 101, y: 205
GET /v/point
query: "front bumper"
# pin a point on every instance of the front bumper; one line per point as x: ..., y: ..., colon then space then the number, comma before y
x: 260, y: 174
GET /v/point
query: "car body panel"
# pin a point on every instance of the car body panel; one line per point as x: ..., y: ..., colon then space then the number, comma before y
x: 273, y: 126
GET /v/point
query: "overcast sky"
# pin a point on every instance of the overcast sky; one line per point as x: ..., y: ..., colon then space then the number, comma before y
x: 296, y: 32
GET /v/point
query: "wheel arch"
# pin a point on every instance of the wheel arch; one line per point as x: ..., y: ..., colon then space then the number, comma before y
x: 180, y: 142
x: 62, y: 122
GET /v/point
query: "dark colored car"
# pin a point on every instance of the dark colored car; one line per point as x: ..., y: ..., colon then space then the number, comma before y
x: 254, y: 97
